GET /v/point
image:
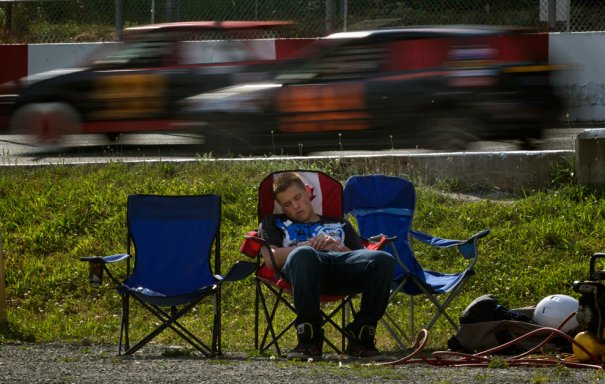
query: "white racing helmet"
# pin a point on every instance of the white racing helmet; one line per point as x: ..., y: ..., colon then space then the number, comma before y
x: 553, y: 309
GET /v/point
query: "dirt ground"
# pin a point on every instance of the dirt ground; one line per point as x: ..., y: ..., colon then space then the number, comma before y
x: 71, y: 363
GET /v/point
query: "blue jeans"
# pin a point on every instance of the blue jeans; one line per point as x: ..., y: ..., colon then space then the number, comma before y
x: 313, y: 273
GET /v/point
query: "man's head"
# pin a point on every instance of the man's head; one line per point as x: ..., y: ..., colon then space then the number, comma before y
x: 294, y: 197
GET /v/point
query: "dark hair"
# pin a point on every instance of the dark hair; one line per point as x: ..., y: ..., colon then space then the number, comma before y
x: 285, y: 180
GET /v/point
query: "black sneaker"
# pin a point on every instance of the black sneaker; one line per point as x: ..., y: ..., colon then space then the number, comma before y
x: 310, y: 343
x: 362, y: 344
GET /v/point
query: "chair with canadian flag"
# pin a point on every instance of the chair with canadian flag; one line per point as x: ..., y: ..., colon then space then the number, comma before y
x: 272, y: 290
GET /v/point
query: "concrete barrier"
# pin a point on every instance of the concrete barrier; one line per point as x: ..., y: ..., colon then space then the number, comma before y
x: 511, y: 171
x: 590, y: 157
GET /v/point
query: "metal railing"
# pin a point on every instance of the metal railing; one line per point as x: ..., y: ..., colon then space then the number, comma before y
x: 53, y: 21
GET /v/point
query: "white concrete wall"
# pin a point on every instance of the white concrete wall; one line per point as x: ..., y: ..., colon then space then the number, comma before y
x: 583, y: 83
x: 46, y: 57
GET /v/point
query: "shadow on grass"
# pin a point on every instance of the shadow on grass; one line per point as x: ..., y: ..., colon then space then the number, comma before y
x: 12, y: 332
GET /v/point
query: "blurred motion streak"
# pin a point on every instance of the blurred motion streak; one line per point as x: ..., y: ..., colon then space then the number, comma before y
x: 432, y: 87
x: 135, y: 86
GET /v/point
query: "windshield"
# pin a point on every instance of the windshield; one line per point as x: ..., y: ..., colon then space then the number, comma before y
x: 137, y: 54
x: 335, y: 59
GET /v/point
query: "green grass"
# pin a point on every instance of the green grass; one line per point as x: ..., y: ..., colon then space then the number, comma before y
x: 51, y: 216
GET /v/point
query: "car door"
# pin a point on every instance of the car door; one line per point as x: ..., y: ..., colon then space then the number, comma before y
x: 333, y: 96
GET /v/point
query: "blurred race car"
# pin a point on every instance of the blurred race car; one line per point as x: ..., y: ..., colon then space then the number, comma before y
x: 135, y: 86
x: 433, y: 87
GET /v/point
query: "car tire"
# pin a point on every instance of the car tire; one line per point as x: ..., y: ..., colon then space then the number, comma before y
x: 46, y: 123
x: 532, y: 140
x: 452, y: 134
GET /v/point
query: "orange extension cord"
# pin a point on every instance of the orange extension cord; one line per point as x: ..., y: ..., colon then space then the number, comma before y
x: 483, y: 359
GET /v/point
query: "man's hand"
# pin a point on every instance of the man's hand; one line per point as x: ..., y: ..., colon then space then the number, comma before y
x: 327, y: 243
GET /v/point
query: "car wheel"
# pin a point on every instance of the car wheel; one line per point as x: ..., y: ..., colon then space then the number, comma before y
x: 532, y: 140
x: 453, y: 134
x: 46, y: 123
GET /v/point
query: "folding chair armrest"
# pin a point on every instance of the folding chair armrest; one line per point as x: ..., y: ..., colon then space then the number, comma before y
x: 466, y: 247
x: 98, y: 264
x: 378, y: 242
x: 239, y: 271
x: 106, y: 259
x: 434, y: 241
x: 254, y: 244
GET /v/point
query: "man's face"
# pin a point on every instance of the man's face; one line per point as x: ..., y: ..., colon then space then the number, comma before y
x: 296, y: 203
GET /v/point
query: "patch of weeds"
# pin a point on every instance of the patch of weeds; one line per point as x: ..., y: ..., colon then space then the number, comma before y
x: 178, y: 352
x: 564, y: 172
x: 364, y: 371
x: 498, y: 362
x: 539, y: 379
x: 115, y: 359
x: 482, y: 377
x: 561, y: 371
x: 220, y: 362
x: 256, y: 353
x: 599, y: 375
x: 68, y: 359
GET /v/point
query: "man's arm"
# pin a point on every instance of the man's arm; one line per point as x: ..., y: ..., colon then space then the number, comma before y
x: 270, y: 233
x: 280, y: 254
x: 274, y: 236
x: 321, y: 242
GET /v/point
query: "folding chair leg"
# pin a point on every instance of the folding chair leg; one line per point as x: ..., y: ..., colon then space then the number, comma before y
x: 124, y: 323
x: 395, y: 330
x: 270, y: 337
x: 269, y: 320
x: 343, y: 322
x: 216, y: 327
x: 170, y: 321
x: 412, y: 319
x: 256, y: 313
x: 443, y: 306
x: 279, y: 298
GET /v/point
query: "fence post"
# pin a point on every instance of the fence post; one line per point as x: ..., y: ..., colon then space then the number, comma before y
x: 552, y: 15
x: 2, y: 292
x: 169, y: 9
x: 152, y: 11
x: 330, y: 15
x: 345, y: 15
x: 119, y: 19
x: 8, y: 20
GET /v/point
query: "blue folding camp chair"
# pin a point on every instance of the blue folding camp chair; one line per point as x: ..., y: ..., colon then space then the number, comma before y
x: 173, y: 238
x: 385, y: 205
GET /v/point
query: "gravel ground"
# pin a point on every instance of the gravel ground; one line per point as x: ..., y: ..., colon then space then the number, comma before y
x: 70, y: 363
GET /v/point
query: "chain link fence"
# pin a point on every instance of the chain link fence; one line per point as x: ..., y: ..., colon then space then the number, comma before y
x: 55, y: 21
